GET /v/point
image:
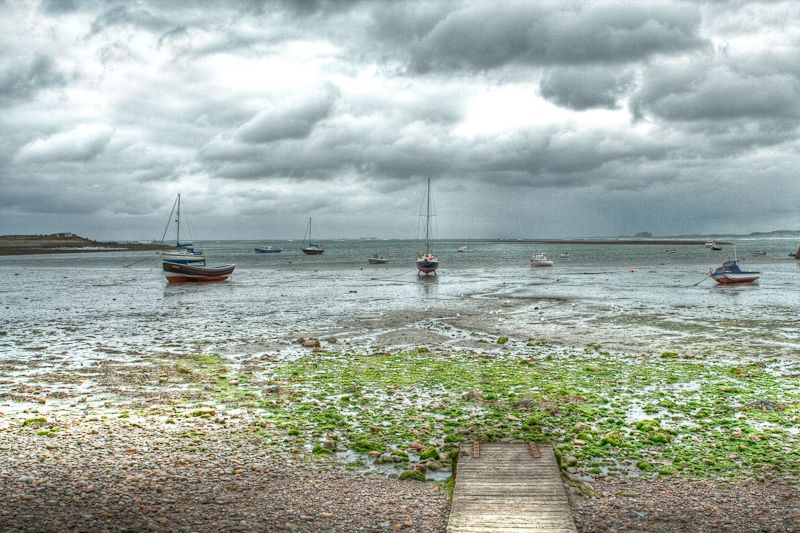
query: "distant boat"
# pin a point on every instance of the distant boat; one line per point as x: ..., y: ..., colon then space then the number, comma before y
x: 427, y: 263
x: 184, y: 252
x: 464, y: 249
x: 759, y: 252
x: 378, y: 260
x: 671, y: 251
x: 716, y: 246
x: 186, y: 263
x: 539, y: 259
x: 709, y: 243
x: 267, y: 250
x: 311, y: 248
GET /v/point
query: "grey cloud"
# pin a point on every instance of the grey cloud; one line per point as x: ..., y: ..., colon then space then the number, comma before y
x: 493, y: 35
x: 705, y: 91
x: 585, y: 87
x: 288, y: 120
x: 123, y: 15
x: 23, y: 79
x: 57, y: 6
x: 79, y: 144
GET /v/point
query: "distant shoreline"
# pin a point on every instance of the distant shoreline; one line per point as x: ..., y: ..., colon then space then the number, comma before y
x: 610, y: 241
x: 64, y: 243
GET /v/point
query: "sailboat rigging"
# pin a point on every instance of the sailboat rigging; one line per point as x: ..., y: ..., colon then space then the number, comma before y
x: 427, y: 263
x: 311, y: 248
x: 186, y: 263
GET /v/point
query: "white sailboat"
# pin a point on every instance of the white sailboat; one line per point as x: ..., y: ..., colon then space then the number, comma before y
x: 427, y: 263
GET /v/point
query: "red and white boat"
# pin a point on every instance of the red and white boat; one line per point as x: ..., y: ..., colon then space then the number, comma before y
x: 311, y: 248
x: 186, y: 263
x: 427, y: 263
x: 730, y: 273
x: 180, y: 273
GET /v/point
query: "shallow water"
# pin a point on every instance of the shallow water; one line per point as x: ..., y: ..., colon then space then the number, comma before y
x: 68, y: 309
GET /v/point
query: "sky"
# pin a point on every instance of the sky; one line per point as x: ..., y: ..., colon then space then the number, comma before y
x: 533, y: 119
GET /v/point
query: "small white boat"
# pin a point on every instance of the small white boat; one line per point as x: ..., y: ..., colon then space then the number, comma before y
x: 539, y: 259
x: 464, y: 249
x: 709, y: 243
x: 377, y: 260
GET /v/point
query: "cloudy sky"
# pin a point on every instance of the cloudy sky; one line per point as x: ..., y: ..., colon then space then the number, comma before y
x: 532, y: 119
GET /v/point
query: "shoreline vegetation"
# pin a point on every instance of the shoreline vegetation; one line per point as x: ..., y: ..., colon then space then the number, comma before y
x: 59, y: 243
x: 334, y: 439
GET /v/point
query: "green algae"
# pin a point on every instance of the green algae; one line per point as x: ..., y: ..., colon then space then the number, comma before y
x: 411, y: 474
x: 35, y: 422
x: 387, y: 401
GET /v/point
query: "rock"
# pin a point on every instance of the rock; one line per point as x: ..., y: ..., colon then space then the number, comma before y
x: 433, y: 464
x: 327, y: 516
x: 310, y: 343
x: 374, y: 454
x: 332, y: 340
x: 417, y: 446
x: 472, y: 395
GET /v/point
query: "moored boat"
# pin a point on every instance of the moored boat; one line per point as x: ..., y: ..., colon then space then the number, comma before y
x: 539, y: 259
x: 464, y: 249
x: 178, y: 273
x: 427, y: 263
x: 184, y: 252
x: 311, y: 248
x: 267, y: 250
x: 730, y: 273
x: 377, y: 260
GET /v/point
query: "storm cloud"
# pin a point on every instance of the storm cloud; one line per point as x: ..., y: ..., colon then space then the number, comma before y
x: 533, y: 119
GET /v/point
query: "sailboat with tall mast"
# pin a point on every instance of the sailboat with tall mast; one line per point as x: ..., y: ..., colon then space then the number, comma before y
x: 186, y: 263
x: 311, y: 248
x: 427, y: 263
x: 184, y: 252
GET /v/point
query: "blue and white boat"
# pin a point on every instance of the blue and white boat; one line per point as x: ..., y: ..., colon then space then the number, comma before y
x: 267, y: 250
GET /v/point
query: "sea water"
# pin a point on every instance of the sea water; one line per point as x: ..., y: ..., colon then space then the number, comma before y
x: 81, y: 307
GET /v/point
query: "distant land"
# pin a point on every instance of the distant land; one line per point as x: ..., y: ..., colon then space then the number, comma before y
x: 58, y: 243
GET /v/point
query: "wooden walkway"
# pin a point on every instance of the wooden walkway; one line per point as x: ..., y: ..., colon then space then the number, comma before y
x: 505, y: 488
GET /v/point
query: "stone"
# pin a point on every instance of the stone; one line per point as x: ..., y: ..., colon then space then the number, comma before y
x: 310, y: 343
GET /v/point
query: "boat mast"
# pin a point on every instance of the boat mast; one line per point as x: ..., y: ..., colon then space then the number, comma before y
x: 178, y: 223
x: 428, y: 221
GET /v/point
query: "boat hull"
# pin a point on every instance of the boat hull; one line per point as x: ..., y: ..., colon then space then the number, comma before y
x: 260, y: 250
x: 728, y: 278
x: 377, y: 261
x: 179, y: 273
x: 426, y: 266
x: 313, y: 251
x: 541, y: 263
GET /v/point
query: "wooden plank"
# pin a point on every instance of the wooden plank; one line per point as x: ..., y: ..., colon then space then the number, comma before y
x: 507, y: 488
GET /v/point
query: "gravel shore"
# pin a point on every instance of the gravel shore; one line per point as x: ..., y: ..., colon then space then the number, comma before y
x: 103, y: 474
